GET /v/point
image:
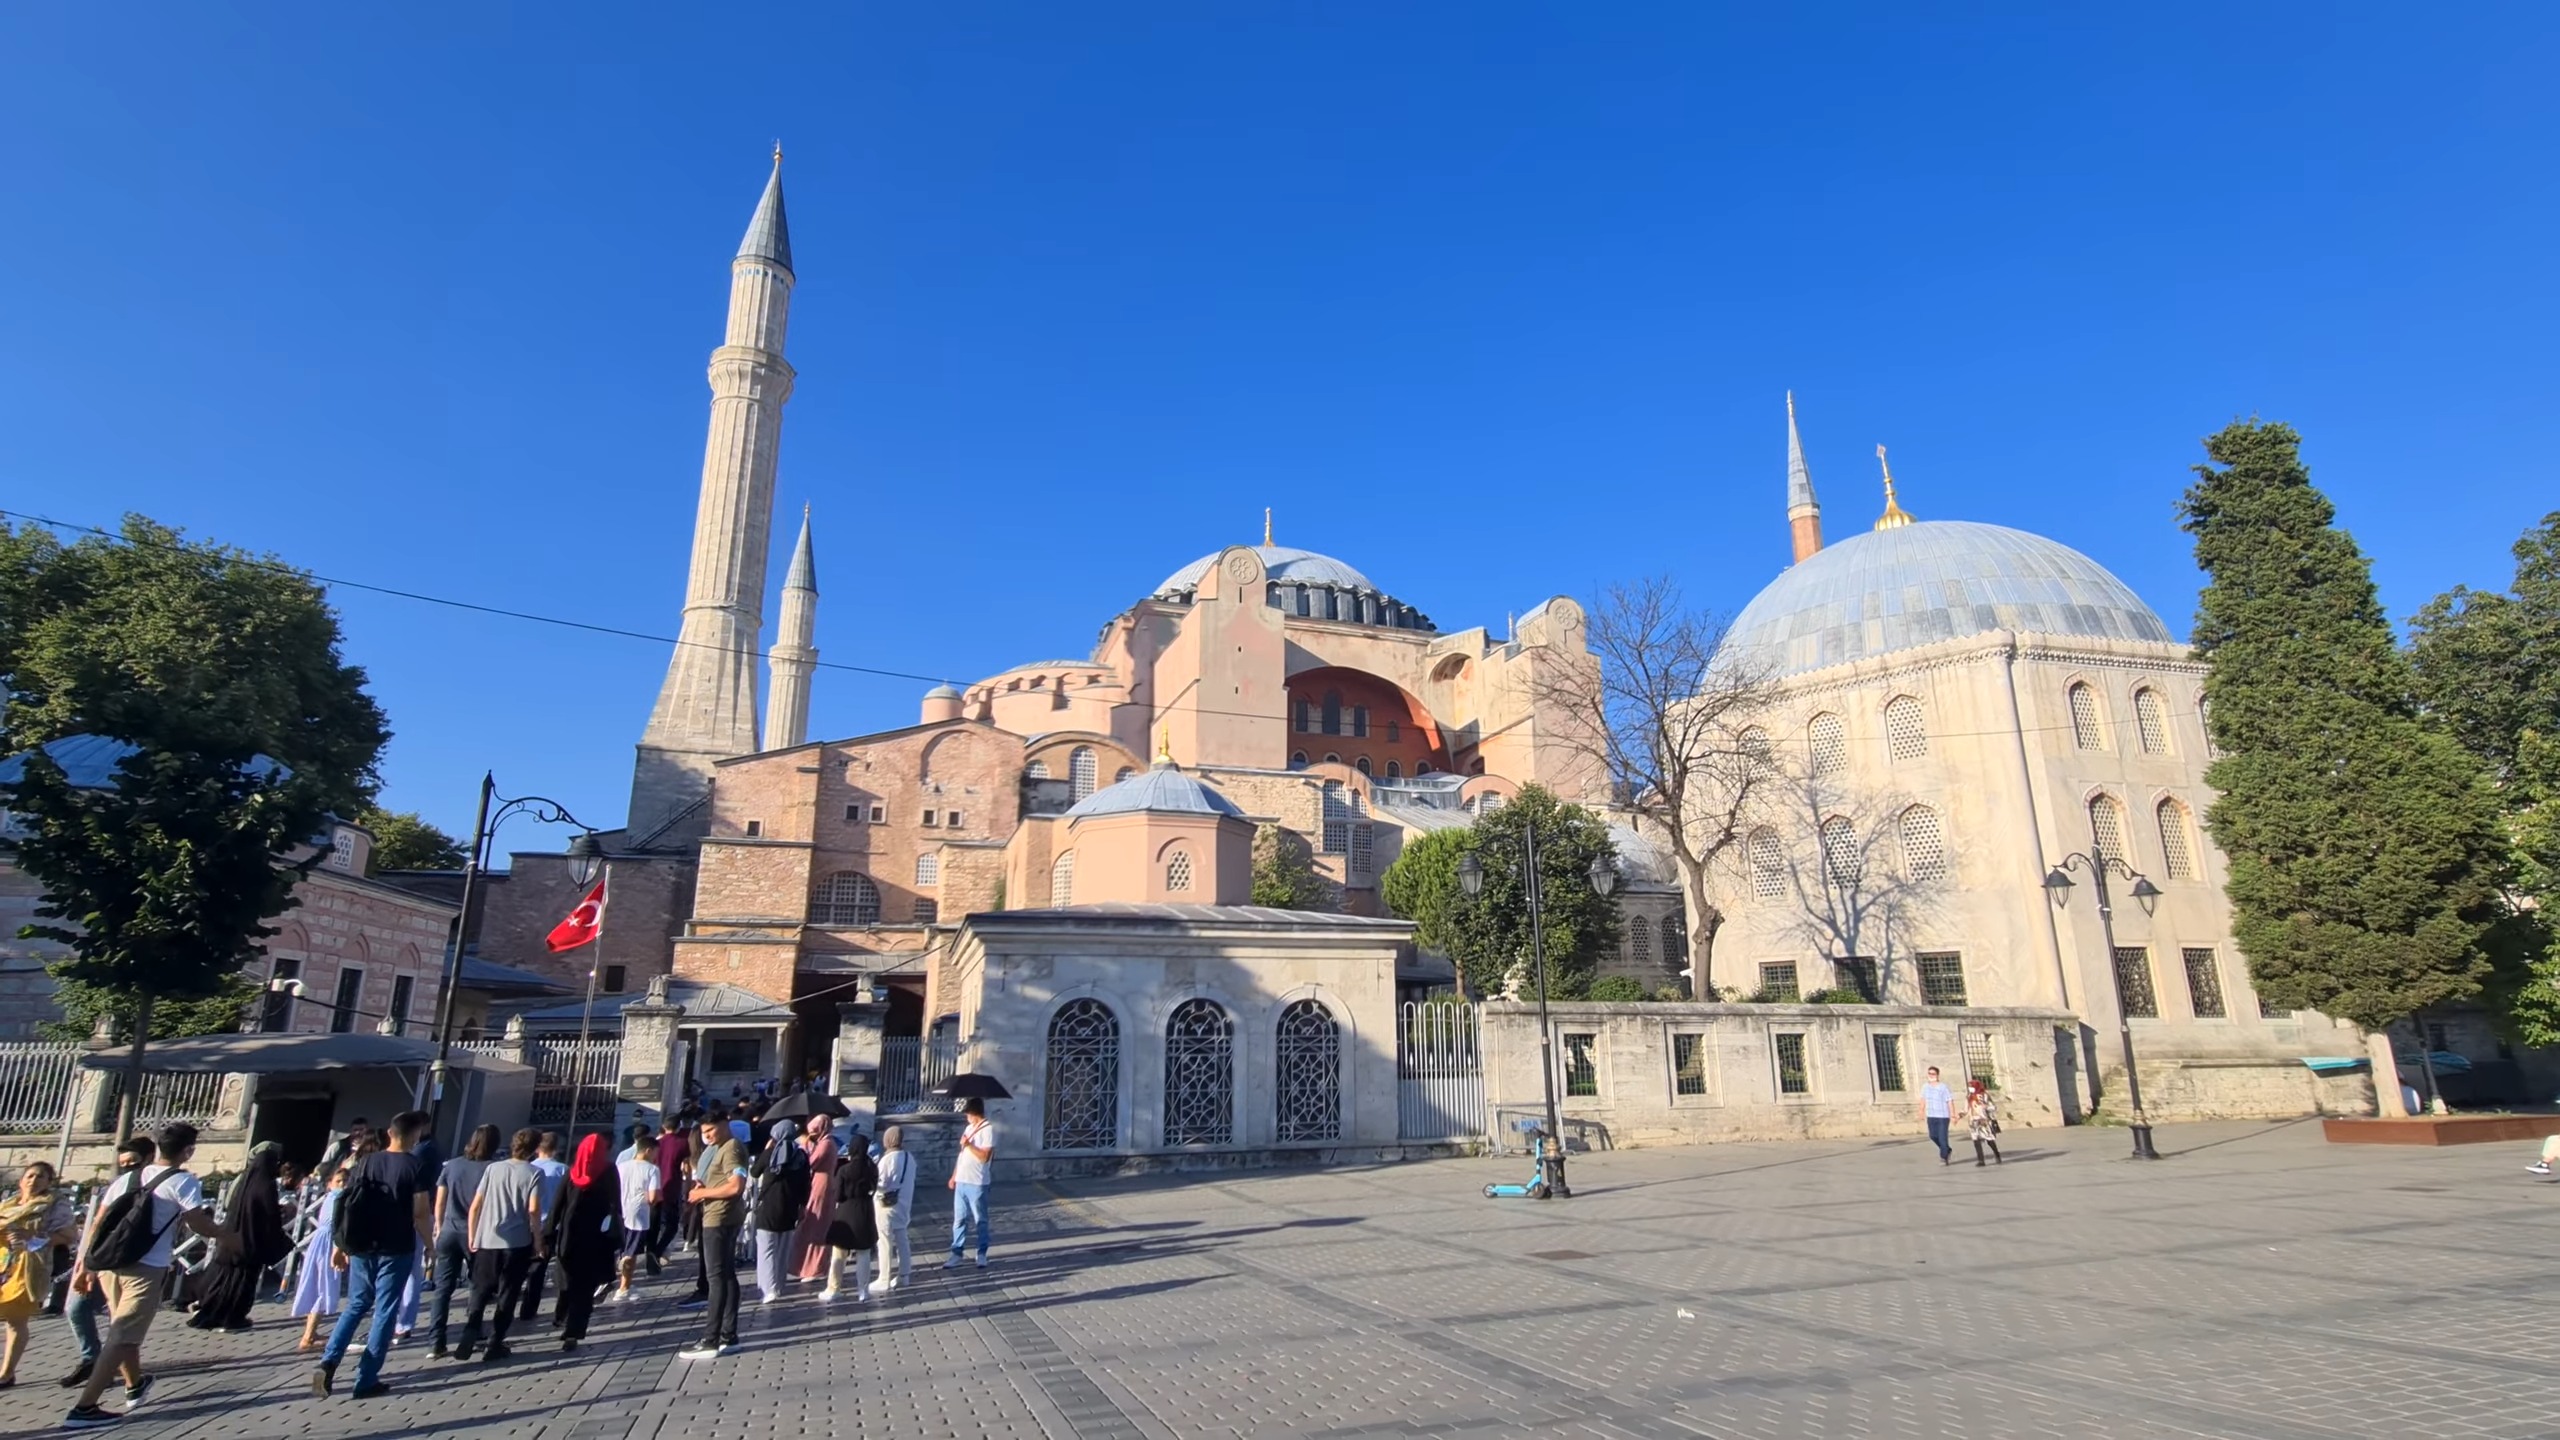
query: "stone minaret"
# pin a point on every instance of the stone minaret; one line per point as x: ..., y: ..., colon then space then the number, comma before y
x: 706, y: 711
x: 794, y: 655
x: 1804, y: 513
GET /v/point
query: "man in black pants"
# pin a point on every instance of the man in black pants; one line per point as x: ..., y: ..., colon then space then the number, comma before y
x: 720, y: 1185
x: 505, y: 1227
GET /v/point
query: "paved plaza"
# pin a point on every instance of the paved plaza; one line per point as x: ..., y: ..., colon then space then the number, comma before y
x: 2257, y: 1283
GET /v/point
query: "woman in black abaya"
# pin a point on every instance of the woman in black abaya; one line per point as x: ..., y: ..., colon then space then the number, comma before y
x: 252, y: 1241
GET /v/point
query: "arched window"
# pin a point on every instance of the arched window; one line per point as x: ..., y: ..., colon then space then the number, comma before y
x: 1492, y: 801
x: 1123, y: 773
x: 1395, y: 770
x: 2177, y: 842
x: 1768, y: 865
x: 1062, y: 879
x: 1360, y: 721
x: 1924, y: 850
x: 1297, y: 759
x: 1177, y: 871
x: 1640, y: 942
x: 1310, y: 1073
x: 1306, y: 601
x: 928, y: 869
x: 2088, y: 728
x: 1332, y: 758
x: 1199, y: 1075
x: 1421, y: 767
x: 1081, y: 768
x: 1081, y: 1109
x: 846, y: 898
x: 1304, y: 715
x: 1333, y: 712
x: 1754, y: 742
x: 1906, y: 733
x: 1675, y: 943
x: 2106, y: 829
x: 1361, y: 764
x: 1830, y: 743
x: 1036, y: 770
x: 1395, y: 732
x: 1337, y: 819
x: 1840, y: 858
x: 2151, y: 721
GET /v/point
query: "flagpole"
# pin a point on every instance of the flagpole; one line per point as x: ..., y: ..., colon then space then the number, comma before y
x: 586, y: 1012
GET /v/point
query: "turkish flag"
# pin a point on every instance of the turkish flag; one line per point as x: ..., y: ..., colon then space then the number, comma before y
x: 583, y: 925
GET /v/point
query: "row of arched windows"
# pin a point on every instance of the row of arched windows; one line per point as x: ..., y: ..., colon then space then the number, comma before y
x: 1081, y: 1104
x: 2089, y: 719
x: 1394, y: 770
x: 1918, y: 834
x: 2110, y: 837
x: 1906, y: 728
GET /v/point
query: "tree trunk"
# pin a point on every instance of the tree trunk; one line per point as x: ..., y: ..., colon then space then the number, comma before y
x: 131, y: 1100
x: 1702, y: 952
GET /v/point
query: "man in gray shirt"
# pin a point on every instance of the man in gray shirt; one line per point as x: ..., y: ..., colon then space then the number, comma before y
x: 505, y: 1236
x: 455, y: 1188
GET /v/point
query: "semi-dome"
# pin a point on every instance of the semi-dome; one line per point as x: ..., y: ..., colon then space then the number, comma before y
x: 1163, y: 790
x: 1889, y: 590
x: 1302, y: 582
x: 1304, y: 567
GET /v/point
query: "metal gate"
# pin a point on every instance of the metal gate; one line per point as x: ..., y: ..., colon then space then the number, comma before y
x: 1439, y: 1071
x: 573, y: 1082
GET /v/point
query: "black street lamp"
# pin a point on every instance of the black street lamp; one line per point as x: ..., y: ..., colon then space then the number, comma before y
x: 2057, y: 883
x: 484, y: 829
x: 1604, y: 878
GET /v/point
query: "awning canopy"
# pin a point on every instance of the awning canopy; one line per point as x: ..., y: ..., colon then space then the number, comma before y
x: 285, y: 1054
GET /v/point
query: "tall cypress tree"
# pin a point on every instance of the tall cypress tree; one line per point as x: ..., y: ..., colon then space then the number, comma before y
x: 2364, y: 843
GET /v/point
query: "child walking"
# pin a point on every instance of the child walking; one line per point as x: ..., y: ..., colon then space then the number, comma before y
x: 317, y: 1294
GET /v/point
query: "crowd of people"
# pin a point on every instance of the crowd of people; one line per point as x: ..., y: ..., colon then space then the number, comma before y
x: 386, y: 1227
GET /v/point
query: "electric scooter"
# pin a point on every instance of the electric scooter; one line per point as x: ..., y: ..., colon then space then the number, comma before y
x: 1539, y: 1147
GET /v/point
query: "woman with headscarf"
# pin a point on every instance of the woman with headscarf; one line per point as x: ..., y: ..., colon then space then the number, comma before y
x: 782, y: 1173
x: 590, y: 1232
x: 810, y: 1239
x: 252, y: 1238
x: 1982, y: 1118
x: 32, y: 1222
x: 852, y: 1229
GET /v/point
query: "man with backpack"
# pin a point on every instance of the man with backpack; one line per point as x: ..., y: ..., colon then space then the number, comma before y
x: 126, y: 1249
x: 385, y: 1223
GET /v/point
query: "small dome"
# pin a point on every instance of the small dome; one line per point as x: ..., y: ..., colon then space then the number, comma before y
x: 1304, y: 567
x: 1933, y: 580
x: 942, y: 692
x: 1162, y: 790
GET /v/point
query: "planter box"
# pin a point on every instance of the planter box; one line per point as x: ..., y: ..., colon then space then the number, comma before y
x: 2440, y: 1129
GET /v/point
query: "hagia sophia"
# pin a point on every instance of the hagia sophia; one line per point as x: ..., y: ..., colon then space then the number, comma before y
x: 1959, y: 707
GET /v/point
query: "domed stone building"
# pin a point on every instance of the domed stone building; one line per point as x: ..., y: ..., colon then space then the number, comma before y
x: 1959, y: 709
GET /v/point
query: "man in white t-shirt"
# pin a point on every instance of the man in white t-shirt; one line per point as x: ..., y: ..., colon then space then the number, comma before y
x: 970, y: 1176
x: 637, y: 1174
x: 132, y: 1292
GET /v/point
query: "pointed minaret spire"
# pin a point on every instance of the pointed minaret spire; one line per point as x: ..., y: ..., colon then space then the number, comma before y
x: 706, y: 710
x: 1893, y: 517
x: 1266, y: 525
x: 795, y: 652
x: 1804, y: 513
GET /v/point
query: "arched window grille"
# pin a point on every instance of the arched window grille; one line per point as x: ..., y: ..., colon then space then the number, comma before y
x: 1675, y: 943
x: 1830, y: 744
x: 846, y: 898
x: 1062, y: 879
x: 1297, y: 759
x: 1755, y: 742
x: 2088, y: 728
x: 1768, y: 865
x: 1177, y: 871
x: 2151, y: 721
x: 1337, y: 818
x: 2106, y: 829
x: 1924, y: 849
x: 1199, y: 1075
x: 1492, y: 800
x: 928, y: 869
x: 1081, y: 1106
x: 1081, y: 769
x: 1640, y: 943
x: 1036, y: 770
x: 1123, y: 773
x: 2177, y: 842
x: 1310, y: 1073
x: 1906, y: 732
x: 1840, y: 858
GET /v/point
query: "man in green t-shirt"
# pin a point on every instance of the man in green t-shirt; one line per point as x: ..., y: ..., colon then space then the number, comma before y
x: 720, y: 1185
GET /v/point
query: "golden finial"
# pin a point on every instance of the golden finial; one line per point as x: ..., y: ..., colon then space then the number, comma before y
x: 1164, y: 745
x: 1266, y: 524
x: 1894, y: 517
x: 777, y: 153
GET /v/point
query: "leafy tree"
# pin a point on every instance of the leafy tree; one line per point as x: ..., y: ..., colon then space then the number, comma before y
x: 404, y: 841
x: 1488, y: 937
x: 2488, y: 668
x: 1284, y: 872
x: 2364, y: 843
x: 1667, y: 713
x: 1617, y: 990
x: 82, y: 1005
x: 221, y: 672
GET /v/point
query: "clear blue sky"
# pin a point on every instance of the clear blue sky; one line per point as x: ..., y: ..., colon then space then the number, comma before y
x: 1496, y: 301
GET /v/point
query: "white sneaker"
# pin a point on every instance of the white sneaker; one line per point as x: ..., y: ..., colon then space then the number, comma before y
x: 702, y: 1352
x: 862, y: 1299
x: 2539, y: 1167
x: 827, y: 1296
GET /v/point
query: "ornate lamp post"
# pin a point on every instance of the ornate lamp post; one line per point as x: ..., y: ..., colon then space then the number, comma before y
x: 493, y: 812
x: 2057, y: 883
x: 1604, y: 878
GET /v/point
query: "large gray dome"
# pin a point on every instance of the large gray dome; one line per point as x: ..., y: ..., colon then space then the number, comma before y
x: 1304, y: 567
x: 1889, y: 590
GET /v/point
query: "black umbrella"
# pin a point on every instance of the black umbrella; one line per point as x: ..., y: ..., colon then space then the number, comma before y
x: 970, y: 1085
x: 806, y: 1104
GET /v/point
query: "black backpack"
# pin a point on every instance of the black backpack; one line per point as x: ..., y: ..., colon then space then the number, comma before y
x: 125, y: 1233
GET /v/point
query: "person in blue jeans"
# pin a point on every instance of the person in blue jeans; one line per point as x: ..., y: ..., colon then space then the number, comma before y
x: 1937, y: 1106
x: 970, y: 1176
x: 384, y: 1225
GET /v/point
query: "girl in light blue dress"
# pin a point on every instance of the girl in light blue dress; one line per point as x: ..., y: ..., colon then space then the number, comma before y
x: 318, y: 1294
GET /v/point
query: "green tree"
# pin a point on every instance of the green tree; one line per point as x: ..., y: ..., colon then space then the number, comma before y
x: 1284, y: 872
x: 82, y: 1005
x: 240, y: 730
x: 2364, y: 844
x: 402, y: 840
x: 2488, y: 669
x: 1488, y: 937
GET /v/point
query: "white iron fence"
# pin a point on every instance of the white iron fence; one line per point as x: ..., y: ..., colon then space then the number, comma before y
x: 35, y: 1085
x: 195, y: 1099
x: 573, y: 1082
x: 1439, y: 1072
